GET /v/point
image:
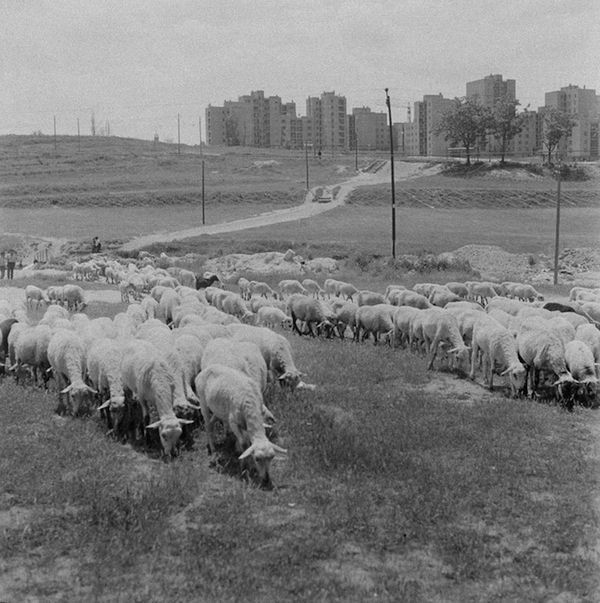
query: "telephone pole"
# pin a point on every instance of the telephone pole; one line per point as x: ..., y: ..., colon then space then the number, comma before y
x: 55, y: 134
x: 178, y: 136
x: 387, y: 102
x: 78, y: 137
x: 306, y: 159
x: 556, y: 235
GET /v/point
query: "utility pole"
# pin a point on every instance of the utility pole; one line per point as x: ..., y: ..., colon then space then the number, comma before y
x: 556, y: 235
x: 178, y: 136
x: 200, y: 133
x: 78, y: 137
x: 387, y: 102
x: 203, y: 191
x: 306, y: 159
x: 55, y: 134
x: 355, y: 151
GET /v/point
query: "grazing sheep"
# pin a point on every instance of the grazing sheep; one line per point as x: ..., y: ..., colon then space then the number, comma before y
x: 402, y: 319
x: 390, y: 289
x: 424, y: 289
x: 369, y: 298
x: 511, y: 306
x: 202, y: 282
x: 35, y: 294
x: 74, y: 297
x: 234, y: 305
x: 236, y: 400
x: 442, y: 296
x: 66, y: 354
x: 275, y: 349
x: 591, y: 310
x: 590, y: 335
x: 290, y: 287
x: 459, y: 289
x: 268, y: 316
x: 262, y: 290
x: 169, y: 301
x: 331, y: 287
x: 441, y: 329
x: 345, y: 316
x: 313, y: 288
x: 525, y: 293
x: 580, y: 362
x: 310, y: 311
x: 374, y: 320
x: 146, y: 375
x: 411, y: 298
x: 346, y: 290
x: 55, y: 294
x: 480, y: 291
x: 542, y: 350
x: 495, y: 348
x: 244, y: 285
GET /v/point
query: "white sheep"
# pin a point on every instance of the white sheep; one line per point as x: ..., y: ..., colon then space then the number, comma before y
x: 74, y: 297
x: 481, y: 291
x: 442, y: 296
x: 268, y: 316
x: 187, y: 278
x: 311, y: 312
x: 331, y: 287
x: 369, y: 298
x: 244, y: 285
x: 590, y: 335
x: 411, y: 298
x: 262, y: 290
x: 313, y: 288
x: 66, y: 354
x: 374, y: 320
x: 524, y: 292
x: 146, y: 374
x: 424, y: 289
x: 35, y: 294
x: 580, y: 362
x: 459, y: 289
x: 495, y: 347
x: 276, y: 351
x: 402, y: 319
x: 236, y: 400
x: 234, y: 305
x: 440, y: 329
x: 345, y: 316
x: 289, y: 287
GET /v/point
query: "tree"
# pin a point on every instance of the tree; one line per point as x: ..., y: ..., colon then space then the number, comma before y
x: 465, y: 124
x: 556, y: 124
x: 505, y: 123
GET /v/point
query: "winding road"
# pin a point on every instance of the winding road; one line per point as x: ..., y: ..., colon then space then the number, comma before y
x: 402, y: 171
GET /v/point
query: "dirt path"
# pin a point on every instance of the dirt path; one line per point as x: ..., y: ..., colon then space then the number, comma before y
x: 403, y: 171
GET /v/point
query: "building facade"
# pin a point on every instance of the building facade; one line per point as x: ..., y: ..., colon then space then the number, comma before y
x: 368, y: 130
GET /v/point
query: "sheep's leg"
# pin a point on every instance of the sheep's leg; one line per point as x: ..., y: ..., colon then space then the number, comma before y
x: 433, y: 350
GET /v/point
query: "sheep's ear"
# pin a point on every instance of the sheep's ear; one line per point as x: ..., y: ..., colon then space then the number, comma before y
x: 185, y: 421
x: 67, y: 389
x: 91, y: 389
x: 506, y: 371
x: 246, y: 452
x: 153, y: 425
x: 104, y: 405
x: 279, y: 449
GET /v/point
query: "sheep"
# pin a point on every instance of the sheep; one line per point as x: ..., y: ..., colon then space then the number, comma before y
x: 493, y: 344
x: 66, y: 354
x: 313, y: 288
x: 202, y: 282
x: 22, y: 350
x: 276, y: 351
x: 511, y: 306
x: 464, y: 305
x: 104, y: 358
x: 411, y: 298
x: 268, y: 316
x: 187, y: 278
x: 402, y: 319
x: 580, y: 362
x: 459, y: 289
x: 190, y: 349
x: 31, y: 349
x: 591, y: 310
x: 563, y: 328
x: 376, y: 320
x: 146, y: 374
x: 74, y: 297
x: 244, y: 285
x: 390, y: 289
x: 55, y: 294
x: 590, y: 335
x: 480, y: 291
x: 541, y: 349
x: 346, y: 290
x: 442, y: 328
x: 235, y: 399
x: 289, y: 287
x: 126, y: 290
x: 6, y: 326
x: 441, y: 296
x: 11, y: 341
x: 424, y: 289
x: 525, y: 293
x: 262, y: 290
x: 311, y: 312
x: 35, y: 294
x: 149, y: 306
x: 233, y: 304
x: 369, y: 298
x: 331, y: 287
x: 169, y: 300
x: 345, y: 316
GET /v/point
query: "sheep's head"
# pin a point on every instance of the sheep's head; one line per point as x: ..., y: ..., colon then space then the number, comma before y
x: 263, y: 452
x: 80, y: 396
x: 169, y: 431
x: 325, y: 328
x: 566, y: 389
x: 586, y: 392
x: 516, y: 376
x: 291, y: 379
x: 286, y: 323
x: 461, y: 357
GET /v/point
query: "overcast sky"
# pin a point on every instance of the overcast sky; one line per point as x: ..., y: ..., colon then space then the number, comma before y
x: 138, y: 63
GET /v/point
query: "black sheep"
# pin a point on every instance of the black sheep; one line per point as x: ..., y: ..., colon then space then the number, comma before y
x: 202, y: 283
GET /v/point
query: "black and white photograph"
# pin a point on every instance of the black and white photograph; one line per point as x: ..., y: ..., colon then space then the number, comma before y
x: 299, y: 301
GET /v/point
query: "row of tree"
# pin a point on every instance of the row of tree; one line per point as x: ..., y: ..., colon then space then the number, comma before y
x: 468, y: 124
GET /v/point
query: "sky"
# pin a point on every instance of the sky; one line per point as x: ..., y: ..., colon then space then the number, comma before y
x: 137, y: 64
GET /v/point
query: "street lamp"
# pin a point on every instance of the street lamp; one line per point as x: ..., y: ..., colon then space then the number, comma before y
x: 387, y: 102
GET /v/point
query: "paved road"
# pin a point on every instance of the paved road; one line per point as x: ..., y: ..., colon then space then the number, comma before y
x: 403, y: 171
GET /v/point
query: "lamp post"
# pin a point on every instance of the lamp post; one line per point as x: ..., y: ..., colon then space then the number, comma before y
x: 355, y: 151
x: 306, y: 159
x: 557, y: 232
x: 387, y: 102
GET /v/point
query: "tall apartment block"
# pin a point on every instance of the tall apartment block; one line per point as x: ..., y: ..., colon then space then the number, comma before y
x: 491, y: 89
x: 368, y: 130
x: 329, y: 121
x: 583, y: 105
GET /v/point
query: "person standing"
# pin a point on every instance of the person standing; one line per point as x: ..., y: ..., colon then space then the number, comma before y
x: 2, y: 264
x: 11, y: 260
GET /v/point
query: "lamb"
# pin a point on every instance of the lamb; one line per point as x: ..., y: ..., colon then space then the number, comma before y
x: 244, y: 285
x: 541, y: 349
x: 66, y: 354
x: 276, y: 351
x: 313, y: 288
x: 262, y: 290
x: 268, y: 316
x: 580, y: 362
x: 331, y: 287
x: 369, y: 298
x: 311, y: 312
x: 346, y: 290
x: 525, y: 293
x: 496, y: 347
x: 35, y: 294
x: 146, y: 374
x: 74, y: 297
x: 290, y: 287
x: 442, y: 328
x: 235, y: 399
x: 480, y: 291
x: 103, y: 361
x: 376, y: 320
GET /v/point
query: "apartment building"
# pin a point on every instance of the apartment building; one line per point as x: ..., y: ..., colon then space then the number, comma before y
x: 583, y: 105
x: 368, y: 129
x: 527, y: 142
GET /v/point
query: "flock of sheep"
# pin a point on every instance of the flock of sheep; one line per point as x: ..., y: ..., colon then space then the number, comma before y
x: 186, y: 349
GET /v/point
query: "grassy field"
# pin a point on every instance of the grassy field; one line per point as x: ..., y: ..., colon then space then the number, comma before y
x: 390, y: 490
